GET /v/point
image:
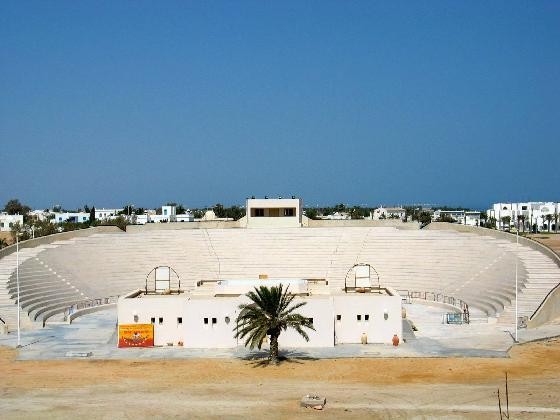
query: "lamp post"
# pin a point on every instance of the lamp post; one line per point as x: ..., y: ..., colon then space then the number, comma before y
x: 517, y: 245
x: 17, y: 283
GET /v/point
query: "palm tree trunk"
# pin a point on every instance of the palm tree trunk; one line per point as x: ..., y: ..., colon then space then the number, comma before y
x: 273, y: 356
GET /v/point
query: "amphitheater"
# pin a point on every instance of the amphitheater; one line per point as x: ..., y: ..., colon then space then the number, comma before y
x: 476, y: 265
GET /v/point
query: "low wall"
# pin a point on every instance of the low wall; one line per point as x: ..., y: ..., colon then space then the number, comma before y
x: 363, y: 223
x: 90, y: 310
x: 211, y: 224
x: 32, y: 243
x: 549, y: 308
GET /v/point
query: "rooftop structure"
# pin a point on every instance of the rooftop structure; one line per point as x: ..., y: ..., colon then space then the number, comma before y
x: 274, y: 212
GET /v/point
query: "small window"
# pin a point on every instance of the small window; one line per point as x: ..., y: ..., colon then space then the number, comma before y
x: 359, y: 317
x: 179, y: 320
x: 259, y: 212
x: 205, y: 321
x: 339, y: 317
x: 160, y: 320
x: 290, y: 212
x: 153, y: 320
x: 214, y: 321
x: 366, y: 317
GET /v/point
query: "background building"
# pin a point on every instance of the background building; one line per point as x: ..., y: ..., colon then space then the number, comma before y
x: 280, y: 212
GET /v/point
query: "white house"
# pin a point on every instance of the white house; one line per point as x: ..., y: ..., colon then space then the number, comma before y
x: 107, y: 214
x: 388, y: 213
x: 274, y: 212
x: 7, y: 221
x: 469, y: 218
x: 71, y: 217
x: 527, y: 215
x: 205, y: 317
x: 336, y: 216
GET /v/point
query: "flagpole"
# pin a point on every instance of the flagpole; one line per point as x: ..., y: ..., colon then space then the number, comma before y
x: 517, y: 241
x: 17, y: 282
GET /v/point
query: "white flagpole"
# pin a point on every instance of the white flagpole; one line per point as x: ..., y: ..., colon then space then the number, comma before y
x: 517, y: 239
x: 17, y: 281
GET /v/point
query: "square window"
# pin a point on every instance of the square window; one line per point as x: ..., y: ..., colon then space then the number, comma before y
x: 359, y: 317
x: 206, y: 321
x: 214, y: 321
x: 366, y: 317
x: 179, y: 320
x: 338, y: 317
x: 153, y: 320
x: 160, y: 320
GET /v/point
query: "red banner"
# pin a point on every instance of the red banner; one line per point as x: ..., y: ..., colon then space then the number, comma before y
x: 136, y: 335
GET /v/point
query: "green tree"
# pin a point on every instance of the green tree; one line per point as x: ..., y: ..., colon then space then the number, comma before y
x: 3, y: 243
x: 15, y: 207
x: 424, y: 217
x: 198, y: 213
x: 270, y: 313
x: 506, y: 220
x: 311, y: 213
x: 549, y: 217
x: 521, y: 218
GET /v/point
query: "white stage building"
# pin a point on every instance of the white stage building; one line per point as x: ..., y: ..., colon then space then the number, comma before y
x: 205, y: 317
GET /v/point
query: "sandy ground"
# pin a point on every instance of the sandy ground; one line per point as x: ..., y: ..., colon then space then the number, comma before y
x: 551, y: 240
x: 7, y: 236
x: 355, y: 388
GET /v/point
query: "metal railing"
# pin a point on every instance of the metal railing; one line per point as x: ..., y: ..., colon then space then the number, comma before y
x: 89, y: 303
x: 434, y: 297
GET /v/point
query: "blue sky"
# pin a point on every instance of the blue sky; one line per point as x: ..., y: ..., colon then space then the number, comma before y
x: 357, y: 102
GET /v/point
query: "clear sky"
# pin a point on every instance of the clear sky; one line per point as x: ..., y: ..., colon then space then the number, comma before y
x: 106, y: 103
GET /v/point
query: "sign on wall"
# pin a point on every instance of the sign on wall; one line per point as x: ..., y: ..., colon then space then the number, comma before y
x: 136, y: 335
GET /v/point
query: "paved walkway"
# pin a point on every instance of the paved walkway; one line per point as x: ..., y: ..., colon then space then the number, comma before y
x: 96, y: 333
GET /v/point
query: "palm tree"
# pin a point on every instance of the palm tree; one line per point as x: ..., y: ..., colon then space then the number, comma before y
x: 549, y: 218
x: 506, y: 220
x: 521, y: 218
x: 269, y: 314
x: 556, y: 221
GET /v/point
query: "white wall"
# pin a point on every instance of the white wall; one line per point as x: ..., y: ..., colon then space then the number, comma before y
x: 378, y: 330
x: 8, y: 220
x: 195, y: 333
x: 274, y: 203
x: 167, y: 307
x: 63, y: 217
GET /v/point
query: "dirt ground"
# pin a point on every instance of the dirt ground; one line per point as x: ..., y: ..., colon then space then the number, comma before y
x: 551, y: 240
x: 355, y: 388
x: 7, y: 236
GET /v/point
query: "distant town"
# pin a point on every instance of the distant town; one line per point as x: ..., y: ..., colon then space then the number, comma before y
x: 19, y: 220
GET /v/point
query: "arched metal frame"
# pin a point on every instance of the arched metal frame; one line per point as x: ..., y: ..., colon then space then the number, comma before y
x: 170, y: 270
x: 361, y: 265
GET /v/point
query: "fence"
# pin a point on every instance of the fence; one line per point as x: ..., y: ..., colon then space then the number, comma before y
x: 408, y: 295
x: 90, y: 303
